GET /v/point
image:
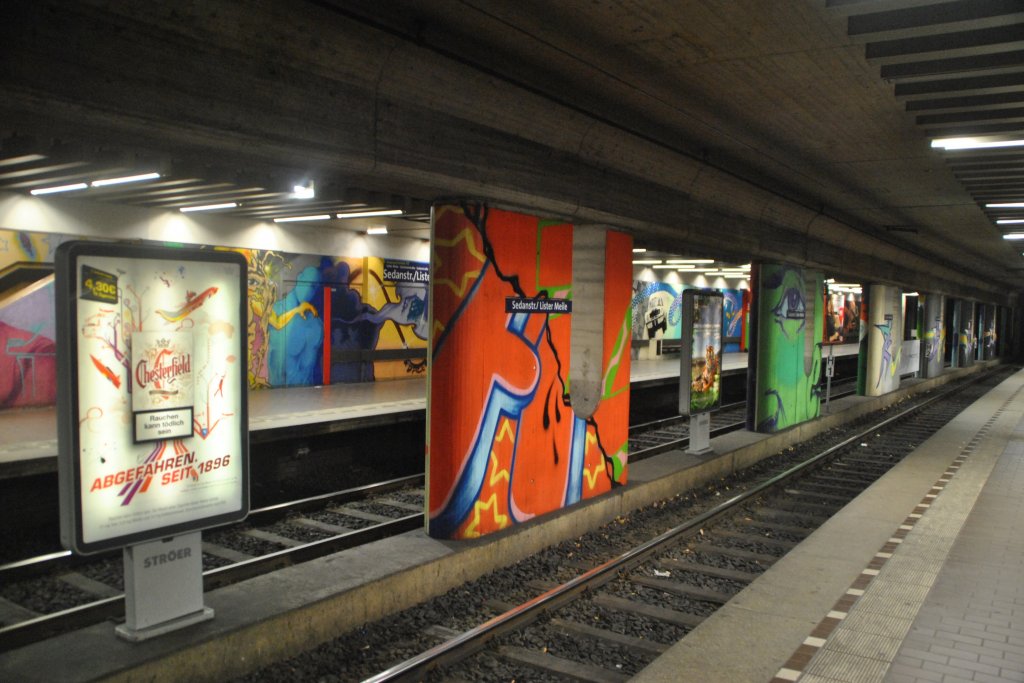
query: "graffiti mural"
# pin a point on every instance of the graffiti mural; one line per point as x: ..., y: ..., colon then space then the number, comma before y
x: 368, y: 308
x: 504, y: 444
x: 656, y: 310
x: 933, y: 326
x: 790, y: 320
x: 28, y: 370
x: 885, y: 340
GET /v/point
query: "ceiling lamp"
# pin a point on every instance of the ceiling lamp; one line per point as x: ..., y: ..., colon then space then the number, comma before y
x: 307, y: 191
x: 208, y: 207
x: 125, y: 179
x: 371, y: 214
x: 377, y: 230
x: 60, y: 188
x: 299, y: 219
x: 974, y: 143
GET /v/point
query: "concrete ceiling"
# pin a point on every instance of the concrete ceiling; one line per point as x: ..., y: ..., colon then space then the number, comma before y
x: 740, y: 128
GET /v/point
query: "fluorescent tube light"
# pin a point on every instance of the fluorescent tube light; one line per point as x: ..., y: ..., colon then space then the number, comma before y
x: 371, y: 214
x: 377, y: 230
x: 639, y: 250
x: 298, y: 219
x: 125, y: 179
x: 1014, y: 236
x: 911, y: 294
x: 974, y: 143
x: 667, y: 266
x: 208, y: 207
x: 646, y: 262
x: 1009, y: 221
x: 1006, y: 205
x: 690, y: 260
x: 60, y: 188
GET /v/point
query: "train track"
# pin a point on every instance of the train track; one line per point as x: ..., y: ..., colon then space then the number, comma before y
x: 591, y: 609
x: 43, y: 596
x: 57, y: 592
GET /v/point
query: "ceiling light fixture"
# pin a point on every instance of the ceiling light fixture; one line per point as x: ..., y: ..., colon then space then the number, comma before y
x: 208, y: 207
x: 1014, y: 236
x: 1006, y: 205
x: 974, y: 143
x: 646, y: 262
x: 690, y: 260
x: 1009, y: 221
x: 304, y: 191
x: 125, y: 179
x: 299, y: 219
x: 639, y: 250
x: 371, y: 214
x: 377, y: 230
x: 60, y: 188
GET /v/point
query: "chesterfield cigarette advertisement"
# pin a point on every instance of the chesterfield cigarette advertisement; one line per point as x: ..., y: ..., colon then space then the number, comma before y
x: 153, y: 426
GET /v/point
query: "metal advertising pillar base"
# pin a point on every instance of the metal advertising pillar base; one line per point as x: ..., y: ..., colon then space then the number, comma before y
x: 700, y: 434
x: 163, y: 587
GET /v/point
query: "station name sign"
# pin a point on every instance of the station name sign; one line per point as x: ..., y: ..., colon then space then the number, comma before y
x: 406, y: 271
x: 515, y: 304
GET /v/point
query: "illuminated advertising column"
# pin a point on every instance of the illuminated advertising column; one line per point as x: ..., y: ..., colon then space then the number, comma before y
x: 701, y: 364
x: 152, y: 407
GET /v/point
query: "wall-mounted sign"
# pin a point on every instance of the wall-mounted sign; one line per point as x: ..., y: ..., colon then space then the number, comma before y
x: 515, y: 304
x: 406, y: 271
x: 152, y: 402
x: 700, y: 376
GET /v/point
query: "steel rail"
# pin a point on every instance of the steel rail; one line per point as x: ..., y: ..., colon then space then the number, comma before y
x: 473, y: 640
x: 54, y: 561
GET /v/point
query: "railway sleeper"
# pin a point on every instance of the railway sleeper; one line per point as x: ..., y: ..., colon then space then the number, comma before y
x: 808, y: 495
x: 737, y: 553
x: 13, y: 613
x: 576, y: 629
x: 814, y: 511
x: 558, y: 666
x: 737, y: 575
x: 802, y: 532
x: 772, y: 514
x: 225, y: 553
x: 671, y: 616
x: 271, y: 537
x: 90, y: 586
x: 755, y: 538
x: 849, y: 479
x: 681, y: 589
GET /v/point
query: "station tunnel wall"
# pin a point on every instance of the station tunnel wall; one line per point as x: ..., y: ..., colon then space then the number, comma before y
x: 296, y: 302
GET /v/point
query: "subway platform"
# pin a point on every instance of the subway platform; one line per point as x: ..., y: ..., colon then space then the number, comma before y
x: 918, y: 579
x: 277, y: 615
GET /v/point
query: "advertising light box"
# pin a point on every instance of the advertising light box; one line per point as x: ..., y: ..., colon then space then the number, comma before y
x: 701, y: 352
x: 152, y: 402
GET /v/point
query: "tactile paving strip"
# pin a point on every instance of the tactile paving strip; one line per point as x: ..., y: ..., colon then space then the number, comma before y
x: 887, y: 613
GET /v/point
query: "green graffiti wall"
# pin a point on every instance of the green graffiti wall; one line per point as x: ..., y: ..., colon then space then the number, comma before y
x: 789, y: 324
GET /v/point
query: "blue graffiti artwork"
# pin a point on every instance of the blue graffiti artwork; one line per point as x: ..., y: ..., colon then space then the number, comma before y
x: 886, y: 364
x: 296, y: 349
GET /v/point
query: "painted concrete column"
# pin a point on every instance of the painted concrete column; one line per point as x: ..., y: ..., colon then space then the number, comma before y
x: 503, y: 441
x: 884, y: 332
x: 933, y: 327
x: 789, y: 321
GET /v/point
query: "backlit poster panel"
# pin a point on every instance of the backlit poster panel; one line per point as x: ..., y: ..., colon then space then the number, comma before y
x: 152, y: 407
x: 701, y: 358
